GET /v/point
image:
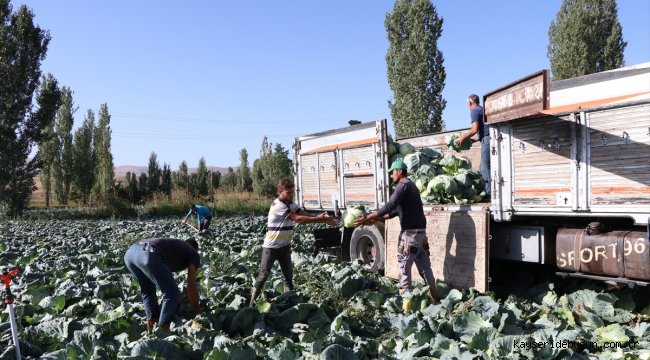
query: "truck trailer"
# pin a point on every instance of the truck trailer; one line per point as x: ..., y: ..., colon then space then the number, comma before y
x: 570, y: 184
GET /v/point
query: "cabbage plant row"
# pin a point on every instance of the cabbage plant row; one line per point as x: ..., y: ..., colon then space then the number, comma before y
x: 76, y: 300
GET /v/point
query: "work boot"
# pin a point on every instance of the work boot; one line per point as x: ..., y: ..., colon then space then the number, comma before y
x: 254, y: 294
x: 432, y: 292
x: 151, y: 323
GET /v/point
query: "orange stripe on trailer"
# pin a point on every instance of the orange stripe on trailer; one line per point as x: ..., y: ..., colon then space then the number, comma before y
x: 622, y: 190
x: 589, y: 104
x: 371, y: 140
x: 551, y: 191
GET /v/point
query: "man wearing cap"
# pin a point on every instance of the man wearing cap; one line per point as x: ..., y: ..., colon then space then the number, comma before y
x: 413, y: 245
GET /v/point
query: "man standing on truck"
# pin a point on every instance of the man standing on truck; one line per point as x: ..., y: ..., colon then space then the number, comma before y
x: 479, y: 131
x: 413, y: 245
x: 283, y: 214
x: 203, y: 217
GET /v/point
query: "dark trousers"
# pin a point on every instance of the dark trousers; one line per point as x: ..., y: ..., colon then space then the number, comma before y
x: 269, y: 255
x: 147, y: 267
x: 205, y: 223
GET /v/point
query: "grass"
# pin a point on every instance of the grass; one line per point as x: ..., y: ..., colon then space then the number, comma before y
x: 176, y: 204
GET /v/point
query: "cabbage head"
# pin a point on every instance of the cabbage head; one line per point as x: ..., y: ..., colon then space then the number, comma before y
x: 392, y: 149
x: 352, y: 213
x: 431, y: 154
x: 451, y: 143
x: 406, y: 148
x: 444, y: 183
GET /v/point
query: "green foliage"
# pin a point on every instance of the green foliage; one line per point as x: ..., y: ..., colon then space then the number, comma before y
x: 269, y: 168
x: 166, y: 179
x: 229, y: 181
x: 23, y: 46
x: 244, y: 180
x: 416, y: 73
x: 84, y: 158
x: 63, y: 164
x: 586, y: 37
x: 180, y: 178
x: 105, y: 171
x: 153, y: 173
x: 48, y: 148
x: 199, y: 179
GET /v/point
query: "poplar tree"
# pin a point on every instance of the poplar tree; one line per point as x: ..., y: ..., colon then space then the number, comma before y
x: 84, y: 158
x: 416, y: 73
x: 166, y: 179
x: 105, y: 171
x: 48, y: 148
x: 201, y: 178
x: 181, y: 178
x: 153, y: 173
x: 63, y: 169
x: 244, y: 180
x: 586, y: 37
x: 23, y: 47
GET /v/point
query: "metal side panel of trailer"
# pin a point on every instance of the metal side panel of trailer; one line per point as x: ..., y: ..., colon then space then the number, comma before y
x: 458, y: 241
x: 590, y: 163
x: 344, y: 166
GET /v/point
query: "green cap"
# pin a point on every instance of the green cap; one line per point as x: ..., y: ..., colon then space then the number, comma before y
x: 397, y: 164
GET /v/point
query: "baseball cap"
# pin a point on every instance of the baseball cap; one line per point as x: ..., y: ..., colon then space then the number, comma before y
x: 397, y: 164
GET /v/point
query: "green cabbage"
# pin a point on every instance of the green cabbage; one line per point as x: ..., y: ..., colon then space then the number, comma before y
x: 352, y: 213
x: 406, y: 148
x: 451, y: 143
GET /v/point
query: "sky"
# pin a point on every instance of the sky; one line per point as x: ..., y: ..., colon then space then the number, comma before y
x: 206, y: 79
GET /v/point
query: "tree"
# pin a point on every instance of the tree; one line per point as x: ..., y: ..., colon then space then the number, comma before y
x: 244, y: 182
x: 416, y: 73
x: 48, y: 148
x: 229, y: 181
x: 181, y: 178
x: 586, y: 37
x: 131, y: 186
x: 142, y: 185
x: 84, y: 158
x: 166, y: 180
x: 153, y: 173
x: 23, y: 46
x: 201, y: 182
x: 64, y: 162
x: 269, y: 168
x: 105, y: 171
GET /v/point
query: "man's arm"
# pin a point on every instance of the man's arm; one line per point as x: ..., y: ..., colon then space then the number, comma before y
x: 387, y: 211
x: 192, y: 290
x: 306, y: 218
x: 471, y: 132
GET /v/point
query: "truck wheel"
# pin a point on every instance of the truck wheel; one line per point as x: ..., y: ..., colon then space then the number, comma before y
x: 367, y: 244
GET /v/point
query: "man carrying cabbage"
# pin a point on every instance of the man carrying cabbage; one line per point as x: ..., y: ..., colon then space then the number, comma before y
x: 283, y: 214
x: 413, y: 245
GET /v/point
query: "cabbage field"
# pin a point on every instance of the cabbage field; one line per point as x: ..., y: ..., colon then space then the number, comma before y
x: 76, y: 300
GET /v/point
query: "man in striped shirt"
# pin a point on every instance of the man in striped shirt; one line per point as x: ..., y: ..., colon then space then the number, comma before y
x: 283, y: 215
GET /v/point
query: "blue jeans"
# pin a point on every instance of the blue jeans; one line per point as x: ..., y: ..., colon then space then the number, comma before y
x: 413, y: 247
x: 148, y: 268
x: 485, y: 163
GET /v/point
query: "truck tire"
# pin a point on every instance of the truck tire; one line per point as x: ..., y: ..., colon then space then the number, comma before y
x: 367, y: 244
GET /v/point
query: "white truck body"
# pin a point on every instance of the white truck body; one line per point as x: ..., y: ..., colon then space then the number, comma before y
x: 584, y: 158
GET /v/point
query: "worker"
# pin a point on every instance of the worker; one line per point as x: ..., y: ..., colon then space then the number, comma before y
x: 479, y: 131
x: 203, y: 217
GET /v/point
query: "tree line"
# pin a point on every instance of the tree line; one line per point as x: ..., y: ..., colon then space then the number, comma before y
x: 35, y: 111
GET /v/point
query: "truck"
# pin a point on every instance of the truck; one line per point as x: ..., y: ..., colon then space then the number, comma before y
x: 570, y: 184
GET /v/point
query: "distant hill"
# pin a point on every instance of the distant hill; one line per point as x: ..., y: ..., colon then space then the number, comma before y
x: 120, y: 171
